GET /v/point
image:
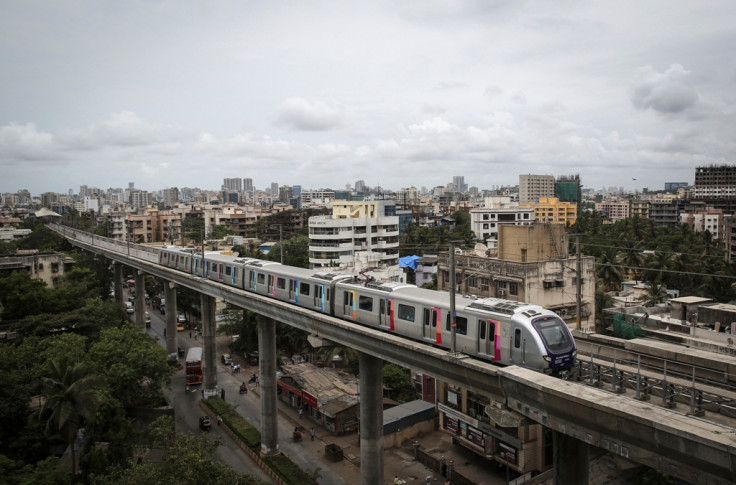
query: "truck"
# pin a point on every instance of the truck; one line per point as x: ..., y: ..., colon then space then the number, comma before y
x: 194, y: 366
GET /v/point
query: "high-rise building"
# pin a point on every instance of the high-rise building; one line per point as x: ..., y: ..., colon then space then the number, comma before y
x: 274, y: 190
x: 171, y: 197
x: 460, y: 185
x: 535, y: 187
x: 233, y: 184
x: 716, y: 185
x: 140, y: 198
x: 360, y: 186
x: 248, y: 185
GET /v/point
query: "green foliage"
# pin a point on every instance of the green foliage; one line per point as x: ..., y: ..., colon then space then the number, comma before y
x: 135, y: 365
x: 296, y: 252
x: 246, y: 432
x: 71, y: 397
x: 219, y: 232
x: 188, y: 460
x: 288, y: 470
x: 667, y: 257
x: 398, y: 380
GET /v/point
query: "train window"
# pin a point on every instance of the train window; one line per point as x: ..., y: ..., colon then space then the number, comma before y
x: 426, y: 316
x: 281, y: 283
x: 517, y: 338
x: 228, y: 270
x: 365, y: 303
x: 261, y: 278
x: 491, y: 331
x: 461, y: 324
x: 482, y: 329
x: 406, y: 312
x: 304, y: 288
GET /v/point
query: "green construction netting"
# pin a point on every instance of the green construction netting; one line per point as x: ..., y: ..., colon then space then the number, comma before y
x: 623, y: 329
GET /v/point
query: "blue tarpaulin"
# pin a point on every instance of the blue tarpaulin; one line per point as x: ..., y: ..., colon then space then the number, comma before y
x: 409, y: 262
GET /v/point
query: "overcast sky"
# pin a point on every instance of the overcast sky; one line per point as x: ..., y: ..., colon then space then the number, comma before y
x: 396, y: 93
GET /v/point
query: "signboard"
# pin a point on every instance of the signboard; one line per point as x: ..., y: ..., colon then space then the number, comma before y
x: 309, y: 399
x: 507, y: 452
x: 451, y: 424
x: 476, y: 437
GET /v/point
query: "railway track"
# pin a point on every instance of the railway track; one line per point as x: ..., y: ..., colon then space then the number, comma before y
x: 697, y: 382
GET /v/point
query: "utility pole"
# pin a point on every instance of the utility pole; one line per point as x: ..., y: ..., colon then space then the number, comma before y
x: 452, y: 296
x: 281, y: 241
x: 578, y: 282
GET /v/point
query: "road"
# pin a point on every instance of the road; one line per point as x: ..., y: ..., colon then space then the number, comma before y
x: 186, y: 407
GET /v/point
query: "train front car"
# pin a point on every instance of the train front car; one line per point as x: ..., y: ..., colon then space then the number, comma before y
x: 559, y: 345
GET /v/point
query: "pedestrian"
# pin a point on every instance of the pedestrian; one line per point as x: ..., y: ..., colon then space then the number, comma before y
x: 311, y: 433
x: 195, y: 335
x: 301, y: 411
x: 190, y: 334
x: 396, y: 480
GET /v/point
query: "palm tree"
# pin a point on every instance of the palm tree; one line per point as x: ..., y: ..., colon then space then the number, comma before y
x: 656, y: 293
x: 71, y: 400
x: 630, y: 256
x: 608, y: 270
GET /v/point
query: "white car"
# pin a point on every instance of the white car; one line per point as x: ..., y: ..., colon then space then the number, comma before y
x: 129, y: 307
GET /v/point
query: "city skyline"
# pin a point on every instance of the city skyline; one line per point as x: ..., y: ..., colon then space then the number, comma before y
x: 398, y: 95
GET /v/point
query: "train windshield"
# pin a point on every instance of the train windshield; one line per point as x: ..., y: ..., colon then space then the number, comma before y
x: 555, y: 334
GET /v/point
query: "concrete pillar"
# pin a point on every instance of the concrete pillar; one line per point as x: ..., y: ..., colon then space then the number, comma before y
x: 140, y: 298
x: 371, y: 419
x: 267, y: 378
x: 208, y: 337
x: 571, y: 459
x: 118, y: 281
x: 172, y: 336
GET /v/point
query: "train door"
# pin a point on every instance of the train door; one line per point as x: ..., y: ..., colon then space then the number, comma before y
x: 429, y: 323
x: 319, y: 293
x: 518, y: 344
x: 270, y: 280
x: 252, y: 280
x: 348, y: 304
x: 385, y: 317
x: 487, y: 338
x: 293, y: 294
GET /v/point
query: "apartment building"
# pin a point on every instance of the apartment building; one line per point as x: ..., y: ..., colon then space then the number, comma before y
x: 532, y: 264
x: 484, y: 222
x: 335, y: 241
x: 615, y: 210
x: 534, y: 187
x: 711, y: 220
x: 552, y: 211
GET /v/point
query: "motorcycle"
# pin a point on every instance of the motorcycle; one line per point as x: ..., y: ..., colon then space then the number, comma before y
x: 297, y: 436
x: 243, y: 389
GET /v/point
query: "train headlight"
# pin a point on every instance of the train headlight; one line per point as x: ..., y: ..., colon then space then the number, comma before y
x: 574, y: 353
x: 547, y: 358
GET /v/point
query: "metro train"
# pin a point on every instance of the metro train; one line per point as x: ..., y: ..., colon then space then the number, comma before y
x: 495, y: 330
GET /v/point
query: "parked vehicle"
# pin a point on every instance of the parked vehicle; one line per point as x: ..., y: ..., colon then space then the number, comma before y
x: 129, y: 307
x: 205, y: 423
x: 227, y: 359
x: 148, y: 320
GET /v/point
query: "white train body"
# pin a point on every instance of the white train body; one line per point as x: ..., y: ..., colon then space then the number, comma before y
x: 499, y: 331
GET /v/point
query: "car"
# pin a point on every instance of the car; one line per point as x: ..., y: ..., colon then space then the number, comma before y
x: 205, y: 423
x: 227, y: 359
x: 129, y: 307
x: 181, y: 318
x: 148, y: 320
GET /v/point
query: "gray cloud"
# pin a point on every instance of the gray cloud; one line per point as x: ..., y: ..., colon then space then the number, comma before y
x: 668, y: 93
x: 299, y: 114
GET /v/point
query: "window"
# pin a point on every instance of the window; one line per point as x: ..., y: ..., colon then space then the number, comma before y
x: 261, y: 278
x: 281, y: 283
x: 365, y: 303
x: 482, y: 329
x: 406, y: 312
x: 517, y: 338
x: 485, y: 226
x: 228, y: 270
x: 461, y: 323
x: 304, y: 288
x: 514, y: 289
x: 485, y: 217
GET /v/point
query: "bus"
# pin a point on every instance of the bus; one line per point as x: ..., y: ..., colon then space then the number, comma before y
x: 194, y: 366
